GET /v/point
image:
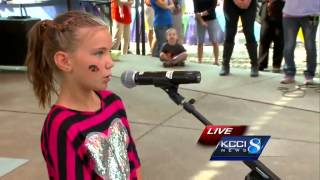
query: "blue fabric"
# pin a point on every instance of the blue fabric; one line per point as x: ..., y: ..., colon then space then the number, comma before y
x: 160, y: 32
x: 162, y: 17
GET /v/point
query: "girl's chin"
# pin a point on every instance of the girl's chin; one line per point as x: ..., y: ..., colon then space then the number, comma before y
x: 101, y: 87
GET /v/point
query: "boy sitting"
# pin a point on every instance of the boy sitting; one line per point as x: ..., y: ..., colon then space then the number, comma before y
x: 172, y: 53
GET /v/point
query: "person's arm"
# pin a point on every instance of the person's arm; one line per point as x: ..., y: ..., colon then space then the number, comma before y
x: 199, y: 14
x: 164, y: 5
x: 165, y: 53
x: 242, y: 4
x: 212, y: 7
x: 129, y: 3
x: 177, y: 7
x: 170, y: 5
x: 180, y: 57
x: 121, y: 5
x: 164, y: 57
x: 139, y: 175
x: 200, y: 19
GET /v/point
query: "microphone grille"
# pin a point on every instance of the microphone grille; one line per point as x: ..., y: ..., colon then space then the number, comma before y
x: 127, y: 78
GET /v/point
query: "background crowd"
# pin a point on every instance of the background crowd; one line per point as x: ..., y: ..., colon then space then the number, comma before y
x: 280, y: 23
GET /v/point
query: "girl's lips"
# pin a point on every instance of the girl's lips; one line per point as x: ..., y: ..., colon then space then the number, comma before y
x: 107, y: 78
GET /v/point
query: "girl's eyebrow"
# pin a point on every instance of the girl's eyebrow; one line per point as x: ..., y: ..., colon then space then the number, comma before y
x: 101, y: 48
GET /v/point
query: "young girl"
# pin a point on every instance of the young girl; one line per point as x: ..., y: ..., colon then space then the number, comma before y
x: 86, y: 134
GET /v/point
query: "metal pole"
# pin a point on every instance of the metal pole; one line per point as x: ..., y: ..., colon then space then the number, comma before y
x: 143, y: 39
x: 69, y: 5
x: 137, y: 27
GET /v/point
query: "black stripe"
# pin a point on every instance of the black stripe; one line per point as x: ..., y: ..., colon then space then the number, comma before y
x: 94, y: 175
x: 79, y: 169
x: 61, y: 140
x: 46, y: 132
x: 122, y: 113
x: 97, y: 128
x: 132, y: 166
x: 64, y: 127
x: 110, y: 99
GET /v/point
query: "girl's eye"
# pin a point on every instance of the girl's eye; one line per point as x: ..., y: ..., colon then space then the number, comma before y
x: 102, y: 52
x: 99, y: 53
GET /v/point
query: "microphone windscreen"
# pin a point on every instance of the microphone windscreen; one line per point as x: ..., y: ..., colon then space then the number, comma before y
x: 127, y: 79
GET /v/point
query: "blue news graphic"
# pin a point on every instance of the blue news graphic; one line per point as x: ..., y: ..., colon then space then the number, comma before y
x: 255, y: 146
x: 240, y: 148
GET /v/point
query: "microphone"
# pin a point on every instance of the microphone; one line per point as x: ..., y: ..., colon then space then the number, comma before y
x: 131, y: 78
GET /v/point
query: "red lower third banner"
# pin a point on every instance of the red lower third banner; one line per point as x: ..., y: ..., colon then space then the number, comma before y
x: 211, y: 135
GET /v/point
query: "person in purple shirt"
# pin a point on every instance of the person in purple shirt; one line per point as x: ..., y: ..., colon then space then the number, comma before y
x: 298, y: 14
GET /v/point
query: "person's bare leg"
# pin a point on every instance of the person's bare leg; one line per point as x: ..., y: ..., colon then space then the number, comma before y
x: 150, y: 39
x: 200, y: 52
x: 216, y: 53
x: 179, y: 58
x: 153, y: 46
x: 126, y: 38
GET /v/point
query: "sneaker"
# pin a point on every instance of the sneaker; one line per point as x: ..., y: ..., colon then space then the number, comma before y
x: 287, y: 79
x: 167, y: 64
x: 254, y: 72
x: 308, y: 80
x: 180, y: 64
x: 262, y: 68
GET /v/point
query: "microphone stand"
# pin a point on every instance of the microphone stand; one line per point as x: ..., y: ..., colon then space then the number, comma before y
x: 258, y: 170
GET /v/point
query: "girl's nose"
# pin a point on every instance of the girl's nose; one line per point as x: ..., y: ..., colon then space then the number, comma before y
x: 109, y: 63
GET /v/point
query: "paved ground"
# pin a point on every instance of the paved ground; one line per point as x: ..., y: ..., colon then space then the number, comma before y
x: 166, y: 135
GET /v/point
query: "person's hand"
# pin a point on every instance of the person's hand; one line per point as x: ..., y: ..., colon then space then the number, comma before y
x: 129, y: 3
x: 177, y: 10
x: 242, y: 4
x: 171, y: 7
x: 203, y: 13
x: 166, y: 56
x: 121, y: 12
x: 203, y: 23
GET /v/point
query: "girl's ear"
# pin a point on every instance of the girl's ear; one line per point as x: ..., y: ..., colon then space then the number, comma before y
x: 62, y: 61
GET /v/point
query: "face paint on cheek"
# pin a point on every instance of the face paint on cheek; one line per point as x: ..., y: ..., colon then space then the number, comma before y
x: 94, y: 68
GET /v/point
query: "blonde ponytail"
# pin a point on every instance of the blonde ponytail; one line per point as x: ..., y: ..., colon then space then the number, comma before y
x: 46, y: 38
x: 40, y: 67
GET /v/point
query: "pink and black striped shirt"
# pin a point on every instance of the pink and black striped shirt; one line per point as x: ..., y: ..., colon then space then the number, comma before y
x: 80, y: 145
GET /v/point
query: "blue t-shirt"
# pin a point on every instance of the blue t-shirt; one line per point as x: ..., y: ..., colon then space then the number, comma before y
x: 162, y: 17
